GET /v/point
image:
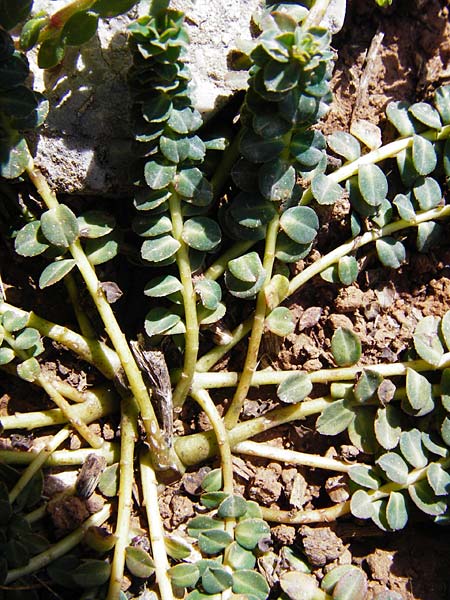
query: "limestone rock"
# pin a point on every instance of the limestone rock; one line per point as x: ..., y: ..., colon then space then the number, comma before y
x: 85, y: 145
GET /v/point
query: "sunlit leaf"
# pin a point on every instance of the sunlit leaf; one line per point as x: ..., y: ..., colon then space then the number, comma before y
x: 345, y: 347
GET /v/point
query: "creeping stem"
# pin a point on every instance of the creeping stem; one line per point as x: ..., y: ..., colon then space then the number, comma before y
x: 232, y: 416
x: 190, y: 308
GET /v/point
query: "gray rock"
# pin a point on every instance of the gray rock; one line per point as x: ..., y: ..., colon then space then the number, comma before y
x: 85, y: 145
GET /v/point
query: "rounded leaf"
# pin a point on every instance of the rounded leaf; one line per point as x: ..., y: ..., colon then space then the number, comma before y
x: 29, y: 370
x: 396, y: 511
x: 91, y: 573
x: 361, y: 505
x: 209, y: 292
x: 426, y: 340
x: 159, y: 249
x: 427, y: 192
x: 212, y: 482
x: 203, y: 523
x: 372, y: 184
x: 158, y: 176
x: 95, y: 224
x: 79, y: 28
x: 394, y: 467
x: 139, y: 562
x: 325, y: 190
x: 300, y: 223
x: 213, y: 541
x: 250, y: 532
x: 344, y: 144
x: 426, y: 114
x: 184, y: 575
x: 423, y: 155
x: 30, y: 241
x: 280, y: 321
x: 299, y: 586
x: 391, y: 252
x: 102, y: 249
x: 294, y: 388
x: 162, y: 286
x: 201, y: 233
x: 277, y: 180
x: 240, y: 558
x: 247, y: 268
x: 216, y: 579
x: 335, y: 418
x: 439, y: 479
x: 425, y: 499
x: 351, y: 586
x: 159, y: 321
x: 232, y: 507
x: 60, y: 226
x: 345, y: 347
x: 387, y: 427
x: 246, y: 581
x: 347, y: 269
x: 364, y: 476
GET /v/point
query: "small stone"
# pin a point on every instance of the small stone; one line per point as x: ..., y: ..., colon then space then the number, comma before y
x: 337, y: 488
x: 321, y: 545
x: 265, y: 487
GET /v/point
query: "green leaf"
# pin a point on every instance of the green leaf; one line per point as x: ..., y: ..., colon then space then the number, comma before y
x: 147, y: 200
x: 91, y: 573
x: 426, y: 114
x: 404, y: 207
x: 161, y: 286
x: 426, y: 340
x: 308, y: 147
x: 60, y: 226
x: 347, y: 269
x: 247, y: 268
x: 411, y: 448
x: 431, y: 446
x: 419, y: 392
x: 364, y: 476
x: 345, y: 347
x: 240, y: 558
x: 184, y: 575
x: 209, y: 292
x: 300, y: 223
x: 280, y: 321
x: 281, y: 77
x: 212, y: 482
x: 351, y: 586
x: 408, y: 173
x: 139, y: 562
x: 203, y: 523
x: 216, y: 579
x: 29, y: 370
x: 201, y: 233
x: 6, y: 356
x: 294, y: 388
x: 394, y: 467
x: 367, y: 385
x: 14, y: 159
x: 345, y: 145
x: 79, y: 28
x: 152, y: 226
x: 423, y: 155
x: 192, y: 185
x: 258, y: 149
x: 445, y: 329
x: 51, y: 52
x: 424, y: 498
x: 398, y: 115
x: 387, y: 427
x: 249, y: 532
x: 429, y: 234
x: 55, y: 272
x: 442, y: 102
x: 232, y: 507
x: 156, y: 108
x: 361, y: 430
x: 13, y: 321
x: 427, y: 192
x: 28, y: 338
x: 100, y: 250
x: 30, y: 241
x: 361, y: 505
x: 445, y: 431
x: 185, y: 121
x: 276, y: 180
x: 246, y: 581
x: 325, y: 190
x: 108, y: 484
x: 158, y: 249
x: 391, y: 252
x: 30, y: 32
x: 158, y: 176
x: 159, y: 321
x: 335, y: 418
x: 213, y: 541
x: 372, y: 184
x: 439, y: 479
x: 299, y: 586
x: 95, y: 224
x: 396, y: 511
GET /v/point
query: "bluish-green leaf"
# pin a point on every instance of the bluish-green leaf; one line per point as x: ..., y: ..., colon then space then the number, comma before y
x: 345, y: 347
x: 212, y: 541
x: 159, y: 249
x: 257, y: 149
x: 249, y: 532
x: 394, y: 467
x: 426, y: 340
x: 100, y: 250
x: 419, y: 392
x: 325, y: 190
x: 442, y: 102
x: 423, y: 155
x: 280, y: 321
x: 387, y: 427
x: 216, y: 579
x: 308, y: 147
x: 344, y: 144
x: 60, y: 226
x: 429, y: 234
x: 158, y: 176
x: 425, y: 499
x: 335, y: 418
x: 247, y: 268
x: 404, y: 207
x: 391, y: 252
x: 277, y: 180
x: 246, y: 581
x: 232, y: 507
x: 361, y: 505
x: 398, y: 115
x: 294, y: 388
x: 160, y: 321
x: 372, y: 184
x: 184, y: 575
x: 426, y: 114
x: 439, y: 479
x: 364, y: 476
x: 396, y: 511
x: 201, y: 233
x: 55, y: 272
x: 300, y: 223
x: 95, y: 224
x: 29, y: 240
x: 239, y: 558
x: 347, y: 269
x: 139, y: 562
x: 411, y: 448
x: 427, y: 192
x: 209, y: 292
